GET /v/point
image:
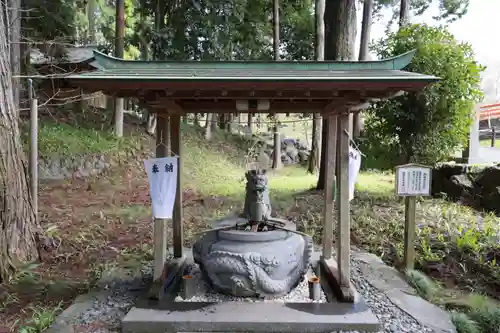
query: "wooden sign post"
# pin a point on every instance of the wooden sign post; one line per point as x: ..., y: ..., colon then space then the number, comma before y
x: 412, y: 180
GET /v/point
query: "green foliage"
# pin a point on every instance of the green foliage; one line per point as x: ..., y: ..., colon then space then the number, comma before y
x: 488, y: 319
x: 50, y: 20
x: 463, y: 323
x: 298, y: 30
x: 222, y: 30
x: 449, y: 10
x: 41, y: 320
x: 425, y: 287
x: 430, y: 125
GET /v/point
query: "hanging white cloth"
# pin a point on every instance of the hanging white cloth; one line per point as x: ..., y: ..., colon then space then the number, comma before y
x: 354, y: 167
x: 162, y: 176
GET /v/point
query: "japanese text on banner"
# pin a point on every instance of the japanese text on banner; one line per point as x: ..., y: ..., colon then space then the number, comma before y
x: 162, y: 177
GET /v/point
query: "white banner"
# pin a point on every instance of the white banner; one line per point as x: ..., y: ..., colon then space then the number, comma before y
x: 162, y: 176
x: 354, y: 166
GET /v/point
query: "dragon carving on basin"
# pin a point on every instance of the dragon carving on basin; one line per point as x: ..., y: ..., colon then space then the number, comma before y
x: 254, y: 254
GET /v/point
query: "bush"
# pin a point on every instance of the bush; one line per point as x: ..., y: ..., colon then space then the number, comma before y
x: 430, y: 125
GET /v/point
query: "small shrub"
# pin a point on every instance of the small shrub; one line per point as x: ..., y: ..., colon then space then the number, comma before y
x: 463, y: 323
x: 487, y: 318
x: 424, y: 286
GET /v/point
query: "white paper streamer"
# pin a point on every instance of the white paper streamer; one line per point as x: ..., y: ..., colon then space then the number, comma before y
x: 354, y: 167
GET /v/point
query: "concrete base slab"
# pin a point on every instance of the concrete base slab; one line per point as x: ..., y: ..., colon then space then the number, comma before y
x: 158, y: 317
x: 164, y: 315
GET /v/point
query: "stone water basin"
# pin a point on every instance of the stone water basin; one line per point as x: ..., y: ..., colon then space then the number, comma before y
x: 253, y: 264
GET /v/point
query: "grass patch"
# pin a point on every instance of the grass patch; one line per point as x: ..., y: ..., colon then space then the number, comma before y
x: 64, y: 140
x: 476, y: 313
x: 487, y: 143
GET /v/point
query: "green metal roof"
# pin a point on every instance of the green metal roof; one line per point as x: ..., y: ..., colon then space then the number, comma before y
x: 110, y: 68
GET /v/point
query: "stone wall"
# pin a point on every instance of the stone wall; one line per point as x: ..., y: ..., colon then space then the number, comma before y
x: 69, y: 167
x: 479, y: 186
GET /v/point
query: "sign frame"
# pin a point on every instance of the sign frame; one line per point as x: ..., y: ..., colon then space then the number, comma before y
x: 413, y: 165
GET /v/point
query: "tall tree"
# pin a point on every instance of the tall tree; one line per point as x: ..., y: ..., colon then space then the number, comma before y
x: 119, y: 51
x: 17, y: 218
x: 314, y: 157
x: 366, y: 24
x: 340, y: 35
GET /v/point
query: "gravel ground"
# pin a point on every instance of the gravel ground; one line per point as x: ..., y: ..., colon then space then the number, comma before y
x: 206, y: 294
x: 391, y: 318
x: 105, y: 315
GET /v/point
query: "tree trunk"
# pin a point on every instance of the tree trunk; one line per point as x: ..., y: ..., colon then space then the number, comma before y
x: 208, y: 126
x: 119, y: 50
x: 363, y: 53
x: 249, y: 125
x: 340, y: 36
x: 276, y: 29
x: 91, y: 9
x: 14, y: 32
x: 17, y: 218
x: 222, y: 121
x: 229, y: 124
x: 404, y: 13
x: 213, y: 122
x: 314, y: 157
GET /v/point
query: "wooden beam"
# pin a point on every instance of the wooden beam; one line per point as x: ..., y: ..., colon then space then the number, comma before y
x: 177, y: 227
x: 120, y: 86
x: 329, y: 185
x: 160, y: 225
x: 343, y: 240
x: 210, y: 94
x: 276, y: 106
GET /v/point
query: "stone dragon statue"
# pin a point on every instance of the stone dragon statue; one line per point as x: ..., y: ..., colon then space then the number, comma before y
x: 248, y: 264
x: 257, y: 203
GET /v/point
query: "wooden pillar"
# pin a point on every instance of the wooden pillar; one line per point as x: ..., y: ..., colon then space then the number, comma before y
x: 343, y: 240
x: 177, y: 228
x: 160, y: 225
x: 331, y: 148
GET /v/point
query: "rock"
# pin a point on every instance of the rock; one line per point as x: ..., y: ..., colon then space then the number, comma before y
x: 303, y: 156
x: 301, y: 146
x: 459, y: 186
x: 293, y: 153
x: 288, y: 142
x: 286, y: 159
x: 488, y: 183
x: 443, y: 173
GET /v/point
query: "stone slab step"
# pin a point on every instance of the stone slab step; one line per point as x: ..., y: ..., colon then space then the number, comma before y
x: 250, y: 317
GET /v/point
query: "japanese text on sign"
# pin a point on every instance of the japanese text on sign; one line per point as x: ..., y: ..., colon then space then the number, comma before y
x: 413, y: 180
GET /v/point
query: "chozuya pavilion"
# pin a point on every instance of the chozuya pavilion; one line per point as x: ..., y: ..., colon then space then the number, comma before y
x: 332, y: 88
